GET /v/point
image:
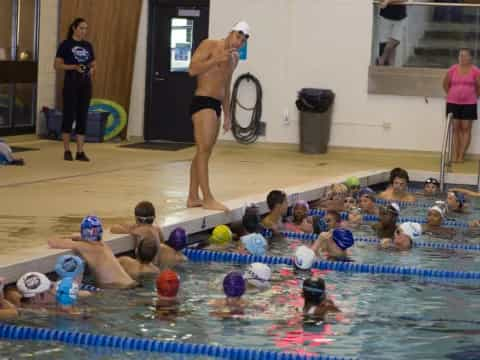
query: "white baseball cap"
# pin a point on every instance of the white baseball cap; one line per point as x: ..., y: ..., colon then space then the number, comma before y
x: 242, y: 27
x: 33, y: 283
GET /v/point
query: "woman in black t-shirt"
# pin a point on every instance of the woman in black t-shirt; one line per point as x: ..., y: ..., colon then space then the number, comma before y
x: 76, y: 57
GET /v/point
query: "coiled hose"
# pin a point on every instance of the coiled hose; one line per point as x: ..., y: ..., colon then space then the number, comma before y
x: 248, y: 134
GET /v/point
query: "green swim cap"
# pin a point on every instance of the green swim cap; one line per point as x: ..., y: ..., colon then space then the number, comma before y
x: 352, y: 181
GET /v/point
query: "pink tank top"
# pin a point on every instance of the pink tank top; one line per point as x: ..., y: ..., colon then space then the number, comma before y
x: 463, y: 88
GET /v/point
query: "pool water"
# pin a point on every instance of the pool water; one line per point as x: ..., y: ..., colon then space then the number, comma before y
x: 385, y: 316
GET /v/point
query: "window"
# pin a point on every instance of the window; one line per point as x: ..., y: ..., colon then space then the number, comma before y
x: 181, y: 37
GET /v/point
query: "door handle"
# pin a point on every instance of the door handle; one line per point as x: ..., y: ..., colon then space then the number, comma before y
x: 158, y: 77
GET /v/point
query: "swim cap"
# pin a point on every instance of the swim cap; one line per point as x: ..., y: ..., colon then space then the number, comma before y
x: 343, y: 238
x: 367, y: 192
x: 255, y: 244
x: 258, y: 275
x: 67, y: 292
x: 352, y: 181
x: 91, y: 229
x: 69, y: 266
x: 314, y: 290
x: 234, y: 284
x: 304, y: 257
x: 177, y: 239
x: 431, y: 180
x: 221, y: 235
x: 438, y: 209
x: 242, y: 27
x: 302, y: 203
x: 33, y: 283
x: 411, y: 229
x: 168, y: 283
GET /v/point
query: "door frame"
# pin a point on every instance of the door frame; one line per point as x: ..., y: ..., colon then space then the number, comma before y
x: 152, y: 4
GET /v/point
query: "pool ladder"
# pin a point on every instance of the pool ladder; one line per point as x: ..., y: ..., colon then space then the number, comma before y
x: 446, y: 158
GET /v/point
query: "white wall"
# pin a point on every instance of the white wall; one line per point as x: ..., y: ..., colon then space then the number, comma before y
x: 47, y: 45
x: 326, y: 44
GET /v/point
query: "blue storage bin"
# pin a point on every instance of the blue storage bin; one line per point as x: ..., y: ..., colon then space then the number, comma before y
x: 95, y: 129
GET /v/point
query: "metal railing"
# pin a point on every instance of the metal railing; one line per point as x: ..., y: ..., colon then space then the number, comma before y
x: 446, y: 156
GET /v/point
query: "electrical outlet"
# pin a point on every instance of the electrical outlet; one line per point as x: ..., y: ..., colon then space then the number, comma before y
x: 262, y: 128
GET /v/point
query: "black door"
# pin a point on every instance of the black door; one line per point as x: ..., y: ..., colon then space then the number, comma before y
x: 175, y: 31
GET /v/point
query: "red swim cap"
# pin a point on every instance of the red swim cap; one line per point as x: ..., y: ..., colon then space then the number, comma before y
x: 168, y: 283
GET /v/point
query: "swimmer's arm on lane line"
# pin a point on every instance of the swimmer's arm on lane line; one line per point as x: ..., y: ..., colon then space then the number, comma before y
x: 466, y: 192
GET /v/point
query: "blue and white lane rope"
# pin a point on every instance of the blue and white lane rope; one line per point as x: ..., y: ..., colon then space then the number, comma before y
x: 75, y: 338
x: 402, y: 219
x: 236, y: 258
x: 418, y: 244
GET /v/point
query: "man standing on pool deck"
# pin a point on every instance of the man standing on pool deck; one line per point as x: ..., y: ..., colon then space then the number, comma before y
x: 213, y: 63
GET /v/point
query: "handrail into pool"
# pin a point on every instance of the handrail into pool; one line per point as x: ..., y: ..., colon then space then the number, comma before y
x: 446, y: 155
x: 236, y: 258
x: 75, y: 338
x: 435, y: 4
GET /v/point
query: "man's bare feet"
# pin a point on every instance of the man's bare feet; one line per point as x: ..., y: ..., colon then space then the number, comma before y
x: 214, y: 205
x: 194, y: 203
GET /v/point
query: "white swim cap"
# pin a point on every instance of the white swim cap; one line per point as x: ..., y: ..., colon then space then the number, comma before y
x: 258, y: 275
x: 33, y: 283
x: 411, y: 229
x: 304, y: 257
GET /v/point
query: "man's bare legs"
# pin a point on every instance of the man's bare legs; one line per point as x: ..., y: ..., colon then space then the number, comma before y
x: 206, y: 126
x: 194, y: 199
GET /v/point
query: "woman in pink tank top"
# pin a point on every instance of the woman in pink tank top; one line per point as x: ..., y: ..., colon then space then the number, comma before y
x: 462, y: 85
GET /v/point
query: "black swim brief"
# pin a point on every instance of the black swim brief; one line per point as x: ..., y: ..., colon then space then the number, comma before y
x: 205, y: 102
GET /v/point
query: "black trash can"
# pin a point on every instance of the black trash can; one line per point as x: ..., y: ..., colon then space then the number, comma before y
x: 315, y: 106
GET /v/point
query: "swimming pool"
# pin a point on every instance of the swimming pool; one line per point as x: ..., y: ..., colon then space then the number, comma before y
x: 387, y: 316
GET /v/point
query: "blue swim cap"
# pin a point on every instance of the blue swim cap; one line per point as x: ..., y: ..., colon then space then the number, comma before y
x: 69, y: 266
x: 366, y: 191
x: 234, y: 284
x: 255, y: 244
x: 91, y: 229
x: 343, y: 238
x: 67, y: 292
x: 177, y: 239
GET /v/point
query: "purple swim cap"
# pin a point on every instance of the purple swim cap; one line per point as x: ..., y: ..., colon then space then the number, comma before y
x: 177, y: 239
x: 234, y: 284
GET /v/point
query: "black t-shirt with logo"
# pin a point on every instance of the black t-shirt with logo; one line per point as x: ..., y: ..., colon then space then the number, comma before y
x: 394, y: 12
x: 75, y: 52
